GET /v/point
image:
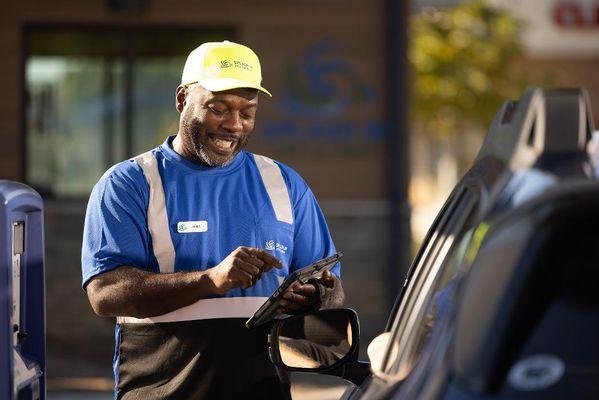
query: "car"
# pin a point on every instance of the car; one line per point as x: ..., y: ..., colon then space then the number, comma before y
x: 501, y: 300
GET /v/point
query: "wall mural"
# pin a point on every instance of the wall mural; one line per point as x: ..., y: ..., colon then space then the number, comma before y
x: 321, y: 92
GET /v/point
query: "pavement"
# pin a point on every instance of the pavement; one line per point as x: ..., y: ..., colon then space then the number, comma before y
x: 303, y: 387
x: 301, y: 392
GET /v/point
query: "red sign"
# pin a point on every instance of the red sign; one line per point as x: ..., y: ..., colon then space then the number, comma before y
x: 572, y: 15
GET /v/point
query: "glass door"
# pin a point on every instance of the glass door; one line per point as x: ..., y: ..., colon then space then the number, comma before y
x: 98, y: 96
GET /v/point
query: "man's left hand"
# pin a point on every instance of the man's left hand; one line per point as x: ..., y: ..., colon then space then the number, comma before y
x: 303, y: 298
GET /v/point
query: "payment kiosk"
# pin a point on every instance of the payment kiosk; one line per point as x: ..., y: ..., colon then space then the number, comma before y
x: 22, y: 293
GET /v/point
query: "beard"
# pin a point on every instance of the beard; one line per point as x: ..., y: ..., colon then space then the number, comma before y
x: 193, y: 140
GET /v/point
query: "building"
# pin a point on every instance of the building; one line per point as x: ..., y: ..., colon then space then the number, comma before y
x: 88, y: 84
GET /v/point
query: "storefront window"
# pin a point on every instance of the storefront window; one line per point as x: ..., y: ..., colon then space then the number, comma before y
x: 96, y: 97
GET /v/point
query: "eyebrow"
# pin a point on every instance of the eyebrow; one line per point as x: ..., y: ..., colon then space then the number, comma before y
x: 225, y: 102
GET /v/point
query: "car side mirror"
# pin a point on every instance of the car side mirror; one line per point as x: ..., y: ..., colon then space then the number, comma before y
x: 322, y: 341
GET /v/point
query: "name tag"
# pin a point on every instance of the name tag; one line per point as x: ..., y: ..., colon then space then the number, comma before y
x: 192, y: 226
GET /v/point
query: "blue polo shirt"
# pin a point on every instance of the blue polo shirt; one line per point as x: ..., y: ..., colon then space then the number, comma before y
x: 231, y: 205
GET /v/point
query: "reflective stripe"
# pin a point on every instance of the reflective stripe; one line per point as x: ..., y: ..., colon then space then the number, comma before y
x: 225, y: 307
x: 275, y: 187
x: 157, y: 217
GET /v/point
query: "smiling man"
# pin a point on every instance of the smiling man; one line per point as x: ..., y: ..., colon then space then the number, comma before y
x: 184, y: 242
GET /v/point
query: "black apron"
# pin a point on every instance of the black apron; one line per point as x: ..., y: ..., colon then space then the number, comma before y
x: 203, y: 359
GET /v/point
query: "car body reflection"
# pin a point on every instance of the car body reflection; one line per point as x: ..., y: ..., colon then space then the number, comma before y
x: 313, y: 342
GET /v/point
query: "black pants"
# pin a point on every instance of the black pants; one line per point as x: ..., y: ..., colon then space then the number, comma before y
x: 206, y: 359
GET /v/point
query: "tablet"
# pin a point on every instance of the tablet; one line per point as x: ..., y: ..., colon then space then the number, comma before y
x: 268, y: 310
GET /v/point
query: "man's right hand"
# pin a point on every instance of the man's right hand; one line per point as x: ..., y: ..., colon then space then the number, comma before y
x: 242, y: 268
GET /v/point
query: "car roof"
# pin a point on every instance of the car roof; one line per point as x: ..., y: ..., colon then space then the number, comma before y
x: 541, y: 125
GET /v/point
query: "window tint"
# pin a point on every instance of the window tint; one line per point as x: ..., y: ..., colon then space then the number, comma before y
x: 430, y: 290
x: 435, y: 307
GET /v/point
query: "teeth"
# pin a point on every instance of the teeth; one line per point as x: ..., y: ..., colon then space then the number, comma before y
x: 223, y: 144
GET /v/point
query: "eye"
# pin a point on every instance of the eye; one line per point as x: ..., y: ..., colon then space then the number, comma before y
x: 217, y: 109
x: 248, y: 113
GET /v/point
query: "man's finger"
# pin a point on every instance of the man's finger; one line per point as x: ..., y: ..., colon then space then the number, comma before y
x: 249, y: 268
x: 252, y: 255
x: 283, y: 306
x: 251, y: 259
x: 242, y: 278
x: 328, y: 279
x: 290, y: 296
x: 287, y: 306
x: 305, y: 290
x: 300, y: 299
x: 265, y: 256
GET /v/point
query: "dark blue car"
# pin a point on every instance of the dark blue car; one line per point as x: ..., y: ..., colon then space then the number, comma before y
x: 502, y: 299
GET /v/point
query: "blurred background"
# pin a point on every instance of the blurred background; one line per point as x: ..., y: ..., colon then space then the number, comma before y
x: 380, y: 105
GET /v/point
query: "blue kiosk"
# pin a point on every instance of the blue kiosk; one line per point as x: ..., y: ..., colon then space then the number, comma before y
x: 22, y: 293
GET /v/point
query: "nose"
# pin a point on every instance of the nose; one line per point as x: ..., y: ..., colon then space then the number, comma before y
x: 233, y: 123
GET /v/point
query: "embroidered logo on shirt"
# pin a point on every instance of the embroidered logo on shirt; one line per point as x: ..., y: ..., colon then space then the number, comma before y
x: 192, y: 226
x: 272, y: 245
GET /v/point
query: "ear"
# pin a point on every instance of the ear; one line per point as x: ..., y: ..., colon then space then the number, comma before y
x: 180, y: 97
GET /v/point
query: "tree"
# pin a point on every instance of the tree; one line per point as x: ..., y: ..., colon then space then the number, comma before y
x: 461, y: 61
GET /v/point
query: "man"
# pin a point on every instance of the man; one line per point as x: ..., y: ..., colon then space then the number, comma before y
x: 183, y: 243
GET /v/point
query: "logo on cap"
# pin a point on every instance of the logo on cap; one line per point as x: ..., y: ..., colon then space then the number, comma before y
x: 243, y: 65
x: 225, y: 64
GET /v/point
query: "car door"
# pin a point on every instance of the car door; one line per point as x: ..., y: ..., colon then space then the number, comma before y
x: 426, y: 292
x: 517, y: 150
x: 514, y: 141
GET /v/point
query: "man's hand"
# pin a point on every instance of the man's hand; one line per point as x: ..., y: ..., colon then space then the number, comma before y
x: 303, y: 298
x: 242, y: 268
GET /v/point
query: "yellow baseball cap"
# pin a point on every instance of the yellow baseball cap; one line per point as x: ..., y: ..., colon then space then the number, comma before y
x: 219, y: 66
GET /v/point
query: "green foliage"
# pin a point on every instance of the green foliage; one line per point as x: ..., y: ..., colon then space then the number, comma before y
x: 461, y: 65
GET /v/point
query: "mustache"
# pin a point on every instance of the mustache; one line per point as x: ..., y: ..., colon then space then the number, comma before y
x: 224, y: 136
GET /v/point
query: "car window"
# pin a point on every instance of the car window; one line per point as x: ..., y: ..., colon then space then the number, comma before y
x: 430, y: 289
x: 522, y: 186
x: 437, y: 302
